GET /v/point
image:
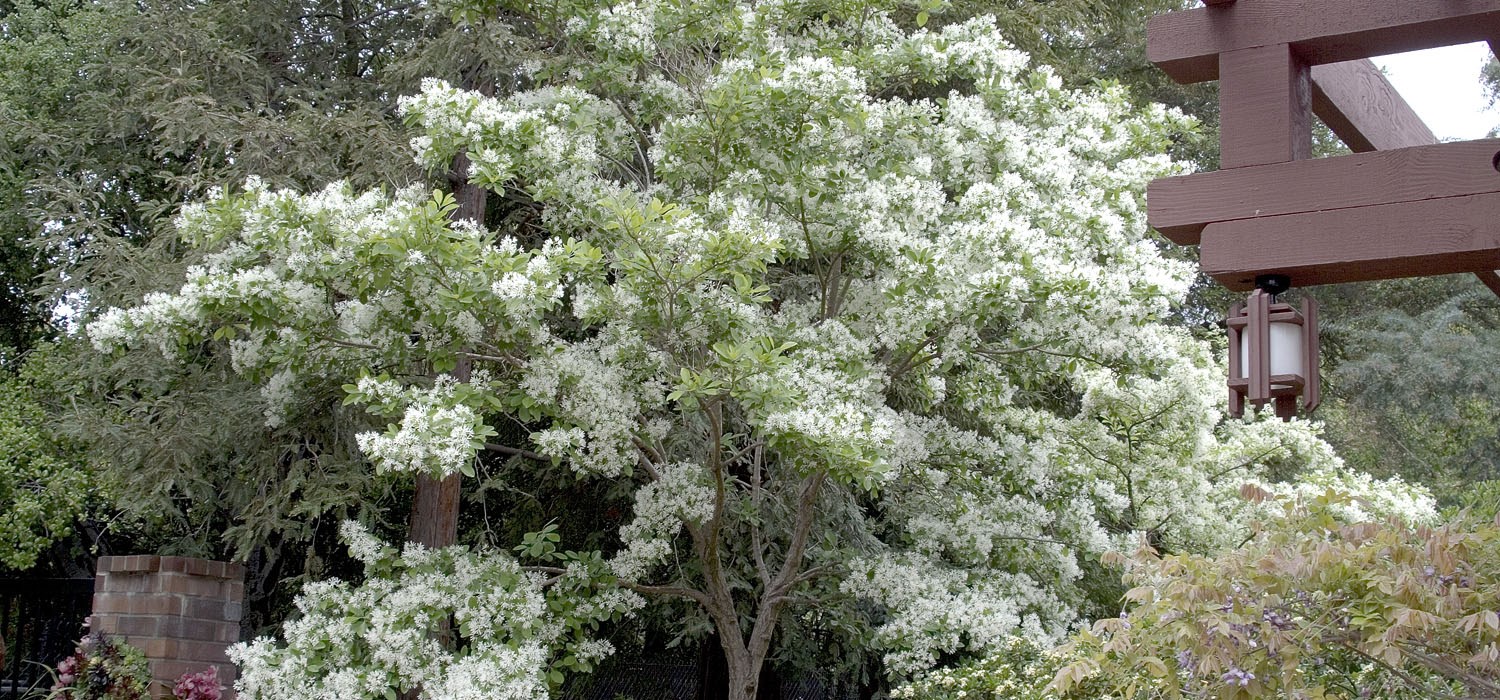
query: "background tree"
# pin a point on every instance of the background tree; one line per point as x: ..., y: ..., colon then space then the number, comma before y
x: 45, y: 485
x: 1413, y: 389
x: 114, y: 113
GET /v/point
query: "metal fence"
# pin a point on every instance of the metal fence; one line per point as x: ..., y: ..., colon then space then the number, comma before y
x: 679, y: 679
x: 41, y: 620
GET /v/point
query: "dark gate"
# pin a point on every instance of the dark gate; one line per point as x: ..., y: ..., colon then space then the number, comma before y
x: 41, y: 620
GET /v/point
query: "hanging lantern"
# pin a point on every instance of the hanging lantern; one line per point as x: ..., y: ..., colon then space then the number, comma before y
x: 1273, y: 351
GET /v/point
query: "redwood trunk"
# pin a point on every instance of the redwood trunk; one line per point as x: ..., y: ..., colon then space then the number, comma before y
x: 434, y: 512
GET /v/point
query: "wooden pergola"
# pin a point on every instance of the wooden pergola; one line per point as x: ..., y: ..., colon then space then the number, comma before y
x: 1402, y: 205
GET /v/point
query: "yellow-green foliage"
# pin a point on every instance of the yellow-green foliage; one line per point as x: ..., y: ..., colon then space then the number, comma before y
x: 1313, y: 607
x: 43, y: 485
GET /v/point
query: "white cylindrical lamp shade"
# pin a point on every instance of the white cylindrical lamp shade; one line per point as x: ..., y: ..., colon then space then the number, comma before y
x: 1286, y: 349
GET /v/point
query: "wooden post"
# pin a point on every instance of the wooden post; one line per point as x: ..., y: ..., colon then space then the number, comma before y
x: 1357, y: 102
x: 1265, y: 107
x: 1265, y: 53
x: 1236, y: 398
x: 1180, y: 207
x: 1187, y: 44
x: 1259, y: 347
x: 1357, y: 244
x: 1312, y: 389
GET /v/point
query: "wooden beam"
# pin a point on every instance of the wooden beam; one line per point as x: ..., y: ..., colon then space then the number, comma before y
x: 1265, y: 107
x: 1179, y: 207
x: 1491, y: 279
x: 1187, y: 44
x: 1357, y: 102
x: 1409, y: 239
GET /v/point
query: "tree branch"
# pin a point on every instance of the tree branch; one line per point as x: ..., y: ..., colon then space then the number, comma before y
x: 692, y: 594
x: 757, y: 543
x: 515, y: 452
x: 649, y: 457
x: 502, y: 359
x: 791, y: 568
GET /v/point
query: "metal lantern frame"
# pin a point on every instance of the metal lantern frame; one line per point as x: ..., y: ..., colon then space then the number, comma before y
x: 1250, y: 323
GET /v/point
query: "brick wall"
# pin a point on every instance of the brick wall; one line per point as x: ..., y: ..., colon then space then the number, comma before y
x: 183, y: 613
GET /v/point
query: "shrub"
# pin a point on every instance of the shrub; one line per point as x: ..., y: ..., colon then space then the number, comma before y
x: 1313, y: 606
x: 102, y: 668
x: 203, y: 685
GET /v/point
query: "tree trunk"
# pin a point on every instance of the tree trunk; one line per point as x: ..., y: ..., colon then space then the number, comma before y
x: 747, y: 657
x: 713, y: 674
x: 434, y: 512
x: 744, y: 675
x: 434, y: 509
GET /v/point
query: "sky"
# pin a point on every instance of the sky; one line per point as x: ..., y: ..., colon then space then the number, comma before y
x: 1442, y: 85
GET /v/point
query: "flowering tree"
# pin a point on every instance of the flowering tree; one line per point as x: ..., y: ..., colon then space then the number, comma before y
x: 857, y: 313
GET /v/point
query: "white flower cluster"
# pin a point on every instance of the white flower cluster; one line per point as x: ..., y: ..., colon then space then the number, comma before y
x: 380, y: 636
x: 936, y: 609
x: 437, y: 434
x: 832, y: 410
x: 594, y: 401
x: 661, y: 509
x: 626, y: 28
x: 560, y: 137
x: 950, y: 306
x: 1370, y: 499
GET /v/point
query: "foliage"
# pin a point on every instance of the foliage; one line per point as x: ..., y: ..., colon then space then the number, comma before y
x: 103, y: 668
x: 509, y: 636
x: 1413, y: 390
x: 203, y: 685
x: 46, y: 486
x: 1489, y: 77
x: 1315, y: 606
x: 1480, y: 500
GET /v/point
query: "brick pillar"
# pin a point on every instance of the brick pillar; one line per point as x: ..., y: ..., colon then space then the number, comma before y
x: 183, y: 613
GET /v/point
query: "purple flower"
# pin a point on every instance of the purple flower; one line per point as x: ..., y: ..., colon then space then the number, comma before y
x: 1186, y: 661
x: 1237, y: 677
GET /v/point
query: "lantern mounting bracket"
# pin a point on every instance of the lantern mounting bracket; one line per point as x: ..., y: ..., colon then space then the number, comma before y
x: 1273, y: 284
